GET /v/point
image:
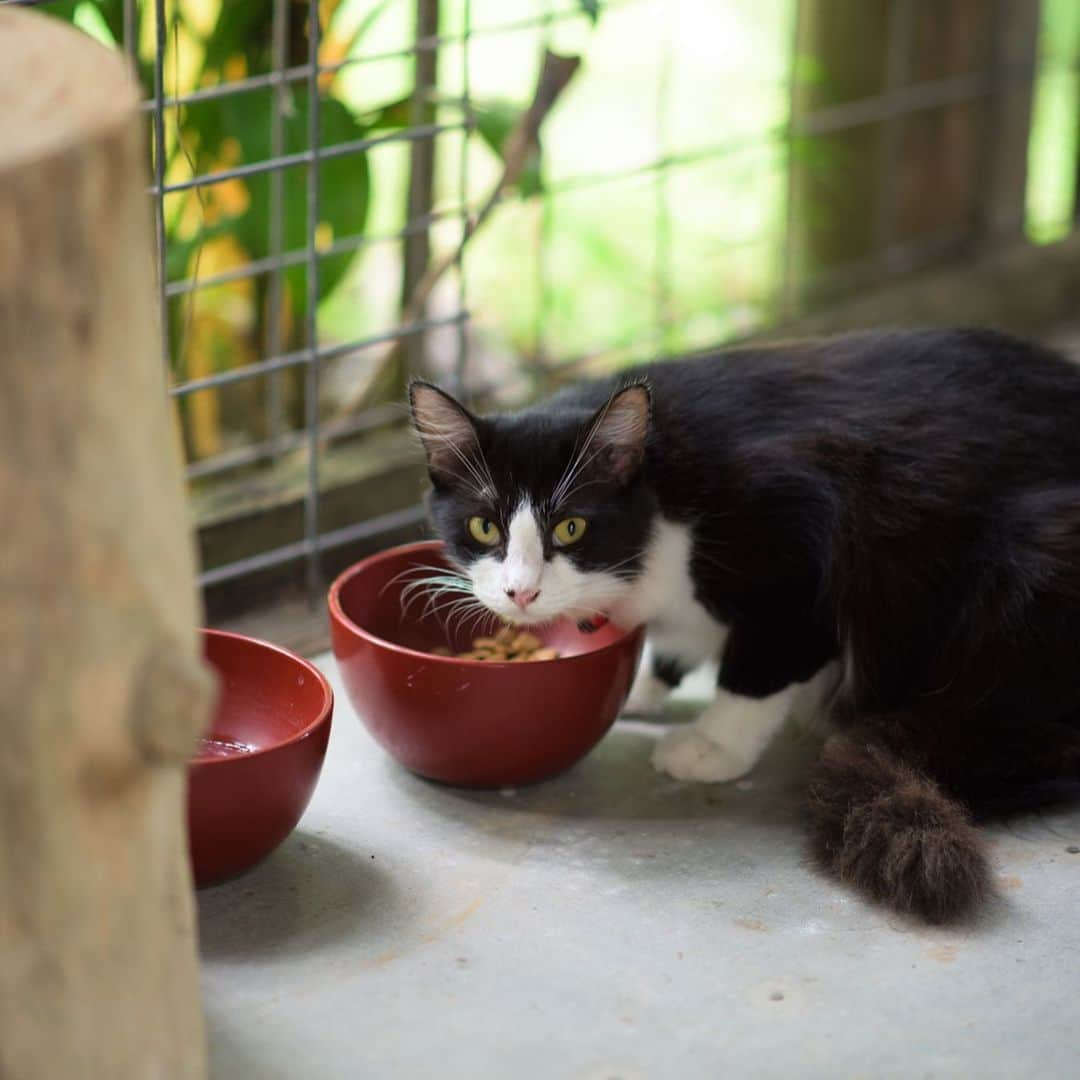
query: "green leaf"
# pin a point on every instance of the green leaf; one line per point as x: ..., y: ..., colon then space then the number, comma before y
x: 399, y: 114
x: 89, y: 19
x: 344, y: 182
x: 242, y: 29
x: 63, y: 9
x: 591, y: 8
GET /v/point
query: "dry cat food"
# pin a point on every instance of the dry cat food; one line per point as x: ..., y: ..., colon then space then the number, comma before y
x: 507, y: 646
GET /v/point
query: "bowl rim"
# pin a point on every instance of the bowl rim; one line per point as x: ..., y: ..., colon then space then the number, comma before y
x: 337, y: 613
x: 323, y: 716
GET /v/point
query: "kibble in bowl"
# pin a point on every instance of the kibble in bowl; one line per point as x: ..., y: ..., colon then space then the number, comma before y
x: 508, y: 646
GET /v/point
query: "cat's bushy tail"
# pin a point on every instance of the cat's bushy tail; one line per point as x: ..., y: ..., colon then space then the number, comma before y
x: 889, y: 831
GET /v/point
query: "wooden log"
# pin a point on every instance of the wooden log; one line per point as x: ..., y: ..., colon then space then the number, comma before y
x: 1004, y: 183
x: 102, y: 691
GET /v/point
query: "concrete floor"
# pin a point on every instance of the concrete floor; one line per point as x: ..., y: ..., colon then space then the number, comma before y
x: 613, y: 923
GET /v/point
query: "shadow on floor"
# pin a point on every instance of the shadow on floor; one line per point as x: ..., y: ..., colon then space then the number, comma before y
x: 617, y: 782
x: 615, y: 814
x: 308, y: 895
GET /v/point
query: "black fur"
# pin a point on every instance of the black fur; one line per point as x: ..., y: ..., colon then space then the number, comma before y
x: 668, y: 669
x: 908, y: 502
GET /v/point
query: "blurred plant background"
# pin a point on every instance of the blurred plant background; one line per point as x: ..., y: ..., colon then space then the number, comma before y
x: 566, y: 271
x: 673, y: 201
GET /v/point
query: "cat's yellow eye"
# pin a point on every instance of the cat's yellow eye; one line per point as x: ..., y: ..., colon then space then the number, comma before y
x: 569, y: 531
x: 484, y: 531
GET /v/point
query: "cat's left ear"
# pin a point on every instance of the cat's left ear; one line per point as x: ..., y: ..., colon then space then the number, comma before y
x: 617, y: 434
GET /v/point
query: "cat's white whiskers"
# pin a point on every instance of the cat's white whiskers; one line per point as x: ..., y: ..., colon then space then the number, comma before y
x: 439, y: 571
x: 470, y: 612
x: 449, y: 610
x: 454, y: 611
x: 446, y: 605
x: 434, y: 584
x: 616, y: 567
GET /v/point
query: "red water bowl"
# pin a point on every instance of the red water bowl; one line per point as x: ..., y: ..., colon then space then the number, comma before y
x: 468, y: 722
x: 257, y: 766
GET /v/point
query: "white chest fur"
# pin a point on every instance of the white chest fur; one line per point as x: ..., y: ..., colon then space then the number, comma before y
x: 663, y: 598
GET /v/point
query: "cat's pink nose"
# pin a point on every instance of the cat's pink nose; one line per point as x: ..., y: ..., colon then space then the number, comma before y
x: 523, y: 597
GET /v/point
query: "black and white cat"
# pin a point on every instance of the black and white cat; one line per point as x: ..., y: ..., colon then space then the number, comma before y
x: 892, y: 518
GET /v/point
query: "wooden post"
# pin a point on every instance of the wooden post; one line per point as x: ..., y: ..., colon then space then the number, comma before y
x: 102, y: 692
x: 842, y: 49
x: 890, y: 194
x: 416, y: 247
x: 1015, y: 55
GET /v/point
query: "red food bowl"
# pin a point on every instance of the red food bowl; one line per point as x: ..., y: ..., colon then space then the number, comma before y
x: 258, y: 764
x: 468, y: 722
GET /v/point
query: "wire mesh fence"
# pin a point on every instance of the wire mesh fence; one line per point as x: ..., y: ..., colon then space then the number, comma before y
x: 873, y: 149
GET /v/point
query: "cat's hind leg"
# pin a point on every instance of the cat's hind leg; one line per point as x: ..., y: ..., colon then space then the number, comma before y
x: 883, y: 826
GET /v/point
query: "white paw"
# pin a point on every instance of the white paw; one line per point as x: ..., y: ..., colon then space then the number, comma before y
x: 647, y: 695
x: 686, y: 754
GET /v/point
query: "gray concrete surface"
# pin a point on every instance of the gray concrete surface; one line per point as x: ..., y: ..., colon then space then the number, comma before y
x: 613, y: 923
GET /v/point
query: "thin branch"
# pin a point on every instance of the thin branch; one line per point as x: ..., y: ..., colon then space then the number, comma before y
x: 520, y: 146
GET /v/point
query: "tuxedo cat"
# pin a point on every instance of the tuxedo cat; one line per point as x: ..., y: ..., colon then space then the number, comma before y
x: 892, y: 518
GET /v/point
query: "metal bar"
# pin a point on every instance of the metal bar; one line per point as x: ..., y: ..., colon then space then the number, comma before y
x: 350, y: 534
x: 1006, y: 123
x: 131, y: 26
x: 234, y: 375
x: 901, y: 20
x: 687, y: 157
x: 161, y: 39
x: 900, y: 258
x: 311, y: 381
x: 369, y: 420
x: 788, y: 300
x: 301, y: 72
x: 662, y: 222
x: 279, y: 47
x: 909, y: 99
x: 416, y: 251
x: 303, y: 356
x: 461, y: 358
x: 545, y: 225
x: 305, y: 157
x: 294, y: 258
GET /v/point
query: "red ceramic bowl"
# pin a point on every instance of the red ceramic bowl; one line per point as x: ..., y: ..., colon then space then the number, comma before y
x: 469, y: 722
x: 257, y: 766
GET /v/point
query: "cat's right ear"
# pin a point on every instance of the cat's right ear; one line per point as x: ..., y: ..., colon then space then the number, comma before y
x: 447, y: 431
x: 617, y: 434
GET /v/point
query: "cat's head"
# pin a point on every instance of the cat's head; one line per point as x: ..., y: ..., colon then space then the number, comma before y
x: 544, y: 510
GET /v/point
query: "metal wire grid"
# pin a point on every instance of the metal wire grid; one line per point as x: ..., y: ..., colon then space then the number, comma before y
x: 898, y: 100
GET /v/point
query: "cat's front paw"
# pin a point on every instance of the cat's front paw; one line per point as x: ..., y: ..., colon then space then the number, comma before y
x: 686, y: 754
